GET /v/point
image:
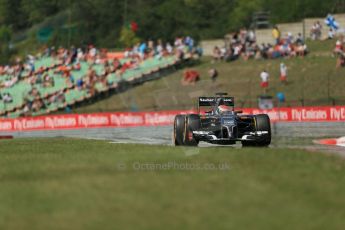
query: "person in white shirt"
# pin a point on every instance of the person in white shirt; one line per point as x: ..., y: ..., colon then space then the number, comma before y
x: 169, y: 48
x: 264, y: 80
x: 283, y: 73
x: 331, y: 34
x: 7, y: 98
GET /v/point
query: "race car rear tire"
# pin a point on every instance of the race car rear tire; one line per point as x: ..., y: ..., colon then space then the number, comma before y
x: 179, y: 129
x: 192, y: 123
x: 263, y: 124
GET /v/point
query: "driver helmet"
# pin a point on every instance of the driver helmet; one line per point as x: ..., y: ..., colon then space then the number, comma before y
x: 223, y: 109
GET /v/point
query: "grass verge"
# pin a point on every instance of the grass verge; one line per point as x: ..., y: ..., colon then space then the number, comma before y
x: 83, y: 184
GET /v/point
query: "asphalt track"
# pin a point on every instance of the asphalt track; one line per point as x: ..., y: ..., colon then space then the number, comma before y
x: 285, y: 135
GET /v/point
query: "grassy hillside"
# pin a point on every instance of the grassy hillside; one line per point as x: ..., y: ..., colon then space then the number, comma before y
x: 313, y: 78
x: 82, y: 184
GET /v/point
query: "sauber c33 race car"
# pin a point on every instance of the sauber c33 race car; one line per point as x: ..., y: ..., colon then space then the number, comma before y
x: 221, y: 124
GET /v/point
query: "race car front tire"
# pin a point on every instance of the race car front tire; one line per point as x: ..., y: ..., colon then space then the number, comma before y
x: 179, y: 129
x: 263, y: 124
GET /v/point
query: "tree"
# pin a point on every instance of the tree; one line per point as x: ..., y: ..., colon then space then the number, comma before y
x: 128, y: 37
x: 101, y: 22
x: 5, y: 39
x: 12, y: 15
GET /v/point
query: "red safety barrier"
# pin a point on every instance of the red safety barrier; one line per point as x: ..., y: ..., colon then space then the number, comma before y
x: 305, y: 114
x: 117, y: 55
x: 96, y: 120
x: 135, y: 119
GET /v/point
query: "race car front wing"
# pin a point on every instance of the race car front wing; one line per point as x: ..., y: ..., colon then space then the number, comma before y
x: 210, y: 136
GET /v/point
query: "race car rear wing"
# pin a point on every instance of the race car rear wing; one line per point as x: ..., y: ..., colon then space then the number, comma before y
x: 212, y: 101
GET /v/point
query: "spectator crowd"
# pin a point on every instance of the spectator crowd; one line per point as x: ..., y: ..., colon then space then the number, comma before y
x: 244, y: 45
x: 183, y: 47
x: 66, y: 62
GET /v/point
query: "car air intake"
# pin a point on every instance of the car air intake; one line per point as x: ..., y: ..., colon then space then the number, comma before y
x: 234, y: 131
x: 225, y: 132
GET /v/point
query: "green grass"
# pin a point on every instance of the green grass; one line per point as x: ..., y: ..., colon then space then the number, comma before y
x: 79, y: 184
x: 313, y: 78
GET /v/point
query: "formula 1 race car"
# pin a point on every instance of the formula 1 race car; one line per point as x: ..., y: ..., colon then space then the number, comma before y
x: 221, y: 124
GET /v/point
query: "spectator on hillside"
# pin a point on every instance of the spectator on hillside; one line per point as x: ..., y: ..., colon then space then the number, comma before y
x: 103, y: 54
x: 37, y: 105
x: 300, y: 49
x: 276, y: 34
x: 91, y: 74
x: 179, y: 54
x: 106, y: 69
x: 71, y: 55
x: 80, y: 84
x: 7, y: 98
x: 236, y: 52
x: 316, y: 31
x: 339, y: 52
x: 70, y: 80
x: 159, y: 52
x: 251, y: 38
x: 58, y: 98
x: 190, y: 77
x: 289, y: 39
x: 213, y: 73
x: 169, y: 48
x: 179, y: 43
x: 250, y: 51
x: 48, y: 81
x: 92, y: 53
x: 264, y: 80
x: 223, y: 51
x: 189, y: 42
x: 34, y: 94
x: 80, y: 55
x: 283, y: 73
x: 243, y: 35
x: 299, y: 39
x: 10, y: 82
x: 26, y: 110
x: 331, y: 34
x: 116, y: 65
x: 150, y: 46
x: 199, y: 51
x: 142, y: 50
x: 235, y: 38
x: 77, y: 66
x: 216, y: 54
x: 339, y: 46
x: 30, y: 68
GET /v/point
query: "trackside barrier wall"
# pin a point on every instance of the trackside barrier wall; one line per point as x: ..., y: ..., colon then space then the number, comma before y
x: 162, y: 118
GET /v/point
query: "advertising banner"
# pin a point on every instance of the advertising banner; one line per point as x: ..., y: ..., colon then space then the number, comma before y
x: 161, y: 118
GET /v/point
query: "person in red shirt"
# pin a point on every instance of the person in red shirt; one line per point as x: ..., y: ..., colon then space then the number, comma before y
x: 190, y: 77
